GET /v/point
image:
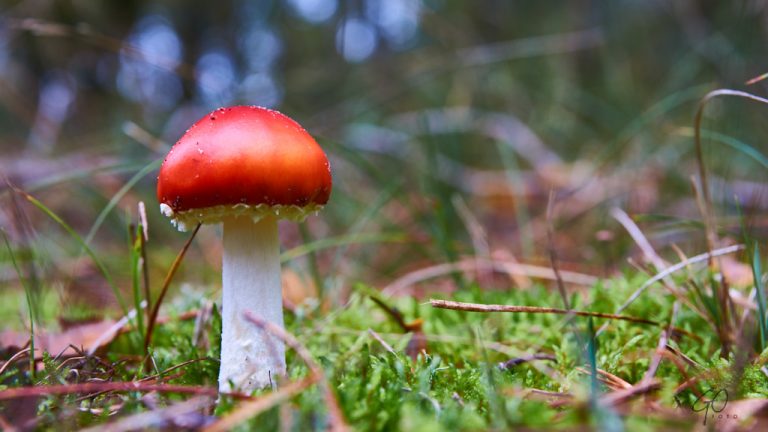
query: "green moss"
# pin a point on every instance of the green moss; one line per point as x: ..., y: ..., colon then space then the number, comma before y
x: 457, y: 385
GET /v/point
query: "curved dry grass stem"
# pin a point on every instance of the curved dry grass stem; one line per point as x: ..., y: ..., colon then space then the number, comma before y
x: 501, y: 266
x: 681, y: 265
x: 336, y: 417
x: 477, y: 307
x: 706, y: 256
x: 19, y: 355
x: 637, y: 235
x: 724, y: 301
x: 252, y: 408
x: 708, y: 216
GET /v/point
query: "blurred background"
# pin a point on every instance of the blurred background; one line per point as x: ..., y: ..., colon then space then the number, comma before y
x: 447, y: 124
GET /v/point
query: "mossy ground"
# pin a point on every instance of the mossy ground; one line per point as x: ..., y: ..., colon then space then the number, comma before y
x: 457, y: 383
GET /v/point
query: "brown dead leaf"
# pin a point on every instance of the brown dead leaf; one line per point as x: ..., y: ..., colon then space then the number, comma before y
x: 297, y: 289
x: 745, y: 414
x: 418, y: 342
x: 88, y: 336
x: 417, y: 345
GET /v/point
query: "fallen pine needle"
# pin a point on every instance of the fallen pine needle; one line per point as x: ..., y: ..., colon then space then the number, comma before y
x: 91, y: 387
x: 477, y: 307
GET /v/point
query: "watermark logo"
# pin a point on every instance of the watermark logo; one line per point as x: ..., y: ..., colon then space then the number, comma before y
x: 712, y: 403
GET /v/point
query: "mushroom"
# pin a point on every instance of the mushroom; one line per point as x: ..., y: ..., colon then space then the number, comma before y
x: 246, y: 167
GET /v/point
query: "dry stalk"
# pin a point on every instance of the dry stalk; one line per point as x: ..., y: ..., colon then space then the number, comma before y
x: 608, y: 379
x: 19, y: 355
x: 658, y: 354
x: 553, y: 250
x: 164, y: 289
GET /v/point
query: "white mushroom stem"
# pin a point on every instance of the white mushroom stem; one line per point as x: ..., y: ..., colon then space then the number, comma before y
x: 250, y: 358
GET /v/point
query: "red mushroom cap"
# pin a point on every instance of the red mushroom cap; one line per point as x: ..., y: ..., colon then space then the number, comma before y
x: 243, y: 160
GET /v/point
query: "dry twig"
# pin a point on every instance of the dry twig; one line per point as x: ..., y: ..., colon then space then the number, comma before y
x: 477, y: 307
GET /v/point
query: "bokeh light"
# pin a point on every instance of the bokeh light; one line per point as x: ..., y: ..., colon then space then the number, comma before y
x: 397, y: 20
x: 260, y: 48
x: 147, y: 64
x: 314, y: 11
x: 356, y: 39
x: 215, y: 74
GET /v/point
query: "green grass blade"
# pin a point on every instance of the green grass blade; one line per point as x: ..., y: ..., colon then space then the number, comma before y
x: 643, y: 122
x: 606, y: 419
x: 59, y: 178
x: 592, y: 361
x: 372, y: 209
x: 152, y: 166
x: 343, y: 240
x: 706, y: 301
x: 30, y: 305
x: 757, y: 273
x: 314, y: 267
x: 356, y: 228
x: 735, y: 144
x: 102, y: 269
